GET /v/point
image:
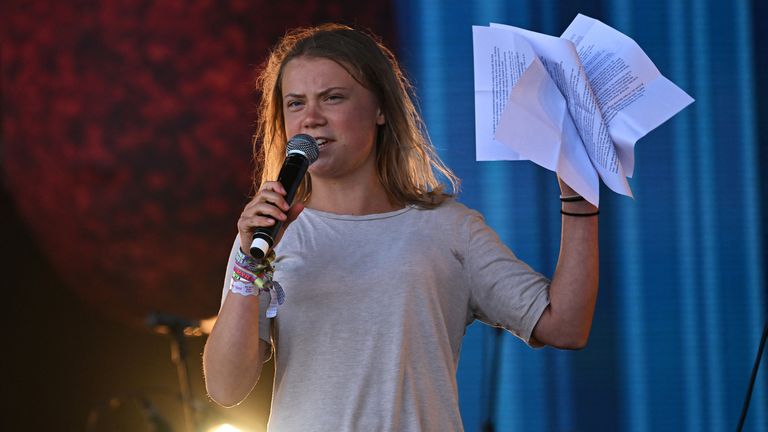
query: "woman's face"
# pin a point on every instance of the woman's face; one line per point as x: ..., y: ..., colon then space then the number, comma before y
x: 321, y: 99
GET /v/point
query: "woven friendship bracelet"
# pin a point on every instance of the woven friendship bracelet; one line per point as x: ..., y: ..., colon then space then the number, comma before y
x: 251, y: 277
x: 240, y: 274
x: 252, y: 264
x: 276, y: 297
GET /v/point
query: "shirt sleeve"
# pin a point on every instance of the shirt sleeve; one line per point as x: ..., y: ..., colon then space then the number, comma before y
x: 504, y: 291
x: 265, y: 323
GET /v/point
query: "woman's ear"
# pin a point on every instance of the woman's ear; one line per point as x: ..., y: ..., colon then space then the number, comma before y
x: 380, y: 120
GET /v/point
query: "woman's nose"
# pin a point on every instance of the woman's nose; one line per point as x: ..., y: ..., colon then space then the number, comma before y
x: 313, y: 116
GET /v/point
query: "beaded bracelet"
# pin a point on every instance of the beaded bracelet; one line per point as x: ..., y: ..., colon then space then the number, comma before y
x: 251, y: 277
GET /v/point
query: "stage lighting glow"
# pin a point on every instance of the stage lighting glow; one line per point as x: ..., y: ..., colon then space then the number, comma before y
x: 226, y: 427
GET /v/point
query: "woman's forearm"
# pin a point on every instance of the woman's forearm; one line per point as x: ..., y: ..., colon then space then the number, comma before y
x: 234, y: 353
x: 573, y: 292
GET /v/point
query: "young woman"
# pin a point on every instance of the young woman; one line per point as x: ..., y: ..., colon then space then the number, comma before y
x: 382, y: 270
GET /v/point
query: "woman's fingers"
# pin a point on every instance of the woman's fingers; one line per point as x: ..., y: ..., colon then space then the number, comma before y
x: 272, y: 193
x: 263, y: 210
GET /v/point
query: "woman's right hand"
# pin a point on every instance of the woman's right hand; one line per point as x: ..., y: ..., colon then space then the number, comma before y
x: 265, y: 208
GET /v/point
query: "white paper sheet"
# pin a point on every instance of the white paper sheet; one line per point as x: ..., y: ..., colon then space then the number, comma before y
x: 575, y: 105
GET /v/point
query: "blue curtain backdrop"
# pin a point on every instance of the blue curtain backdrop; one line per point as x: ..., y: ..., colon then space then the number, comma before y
x: 682, y: 282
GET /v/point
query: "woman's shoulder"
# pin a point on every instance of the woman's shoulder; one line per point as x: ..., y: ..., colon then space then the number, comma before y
x: 451, y: 210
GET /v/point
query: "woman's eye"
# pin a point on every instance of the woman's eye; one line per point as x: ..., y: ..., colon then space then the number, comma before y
x: 293, y: 104
x: 335, y: 97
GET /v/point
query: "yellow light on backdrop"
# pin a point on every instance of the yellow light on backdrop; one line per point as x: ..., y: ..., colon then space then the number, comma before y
x: 226, y: 427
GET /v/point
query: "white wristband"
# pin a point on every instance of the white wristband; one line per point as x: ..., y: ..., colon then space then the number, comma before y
x: 243, y: 288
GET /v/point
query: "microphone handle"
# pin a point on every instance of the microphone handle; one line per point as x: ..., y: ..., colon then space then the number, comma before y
x: 291, y: 174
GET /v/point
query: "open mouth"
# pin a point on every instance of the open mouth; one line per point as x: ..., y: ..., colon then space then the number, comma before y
x: 321, y: 142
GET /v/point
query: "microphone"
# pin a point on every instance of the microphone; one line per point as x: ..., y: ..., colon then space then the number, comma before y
x: 300, y: 153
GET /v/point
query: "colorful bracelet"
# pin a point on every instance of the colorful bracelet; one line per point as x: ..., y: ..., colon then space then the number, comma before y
x: 240, y: 274
x: 251, y: 277
x: 253, y: 265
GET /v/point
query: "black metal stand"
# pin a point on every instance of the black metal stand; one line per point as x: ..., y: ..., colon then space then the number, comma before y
x: 177, y: 328
x: 752, y: 378
x: 179, y: 358
x: 489, y: 424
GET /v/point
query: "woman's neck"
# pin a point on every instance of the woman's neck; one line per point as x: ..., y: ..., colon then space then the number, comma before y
x: 350, y: 198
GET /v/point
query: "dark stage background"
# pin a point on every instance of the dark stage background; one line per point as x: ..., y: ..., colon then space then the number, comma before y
x: 125, y: 160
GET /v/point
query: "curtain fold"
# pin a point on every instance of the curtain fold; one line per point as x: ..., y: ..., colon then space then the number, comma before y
x: 682, y: 286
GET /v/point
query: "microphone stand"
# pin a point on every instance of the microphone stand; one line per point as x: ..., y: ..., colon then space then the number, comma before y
x: 155, y: 421
x: 493, y: 384
x: 752, y: 378
x: 178, y: 328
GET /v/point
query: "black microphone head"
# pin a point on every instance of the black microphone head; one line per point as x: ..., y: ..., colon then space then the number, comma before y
x: 305, y: 145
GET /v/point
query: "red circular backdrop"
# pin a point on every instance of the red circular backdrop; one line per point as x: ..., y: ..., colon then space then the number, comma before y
x: 126, y: 137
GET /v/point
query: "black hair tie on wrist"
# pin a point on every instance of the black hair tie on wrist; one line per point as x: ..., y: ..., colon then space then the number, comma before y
x: 595, y: 213
x: 571, y: 198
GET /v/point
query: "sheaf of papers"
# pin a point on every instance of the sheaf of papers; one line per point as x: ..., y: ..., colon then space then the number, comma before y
x: 574, y: 104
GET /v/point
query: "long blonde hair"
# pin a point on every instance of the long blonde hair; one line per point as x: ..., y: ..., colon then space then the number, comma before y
x: 407, y: 164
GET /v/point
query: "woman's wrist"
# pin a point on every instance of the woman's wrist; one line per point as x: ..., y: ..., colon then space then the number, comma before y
x: 251, y: 277
x: 573, y: 204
